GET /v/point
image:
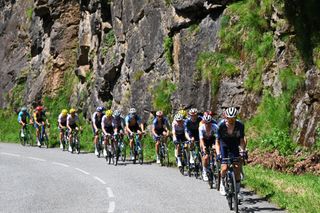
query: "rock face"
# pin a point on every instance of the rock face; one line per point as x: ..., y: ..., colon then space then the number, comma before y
x: 114, y: 53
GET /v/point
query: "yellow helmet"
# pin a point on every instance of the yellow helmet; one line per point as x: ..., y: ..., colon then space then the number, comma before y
x: 72, y: 110
x: 109, y: 113
x: 183, y: 113
x: 64, y: 112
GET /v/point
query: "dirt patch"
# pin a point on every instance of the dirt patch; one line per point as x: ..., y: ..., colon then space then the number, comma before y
x: 299, y: 163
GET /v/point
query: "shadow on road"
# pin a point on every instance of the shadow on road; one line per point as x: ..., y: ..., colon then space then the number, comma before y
x: 251, y: 199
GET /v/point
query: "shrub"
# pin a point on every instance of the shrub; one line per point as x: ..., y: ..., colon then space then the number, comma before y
x: 161, y: 95
x: 168, y: 47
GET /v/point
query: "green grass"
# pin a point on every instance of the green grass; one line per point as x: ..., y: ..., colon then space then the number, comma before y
x: 161, y: 95
x: 295, y: 193
x: 168, y: 47
x: 29, y: 13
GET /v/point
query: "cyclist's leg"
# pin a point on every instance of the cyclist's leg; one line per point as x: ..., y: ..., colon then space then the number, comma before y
x: 224, y: 167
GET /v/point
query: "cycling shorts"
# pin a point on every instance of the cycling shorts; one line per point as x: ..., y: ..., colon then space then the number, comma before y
x: 180, y: 139
x: 229, y: 151
x: 158, y: 132
x: 194, y: 134
x: 109, y: 130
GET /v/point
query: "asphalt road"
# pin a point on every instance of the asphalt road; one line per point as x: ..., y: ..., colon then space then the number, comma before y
x: 50, y: 180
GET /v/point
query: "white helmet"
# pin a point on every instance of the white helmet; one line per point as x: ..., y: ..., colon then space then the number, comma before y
x: 193, y: 111
x: 178, y: 117
x: 207, y: 118
x: 231, y: 112
x: 132, y: 110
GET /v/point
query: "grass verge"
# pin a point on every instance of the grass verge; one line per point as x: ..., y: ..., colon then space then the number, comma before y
x: 292, y: 192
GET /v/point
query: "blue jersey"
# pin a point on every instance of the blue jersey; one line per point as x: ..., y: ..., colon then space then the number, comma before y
x: 23, y: 116
x: 192, y: 127
x: 230, y: 140
x: 133, y: 120
x: 160, y: 125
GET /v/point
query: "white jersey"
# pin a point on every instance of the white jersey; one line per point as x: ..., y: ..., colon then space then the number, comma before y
x: 106, y: 122
x: 62, y: 119
x: 72, y: 120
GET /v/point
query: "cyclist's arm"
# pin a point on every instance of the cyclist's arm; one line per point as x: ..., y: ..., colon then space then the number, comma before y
x: 242, y: 144
x: 127, y: 127
x: 174, y: 136
x: 218, y: 146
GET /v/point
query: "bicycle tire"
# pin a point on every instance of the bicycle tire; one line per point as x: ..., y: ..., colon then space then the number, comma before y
x: 218, y: 175
x: 77, y: 145
x: 234, y: 193
x: 140, y: 157
x: 46, y: 140
x: 228, y: 188
x: 22, y: 139
x: 123, y: 153
x: 29, y: 138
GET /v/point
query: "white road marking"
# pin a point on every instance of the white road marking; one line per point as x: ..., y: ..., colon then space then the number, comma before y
x: 84, y: 172
x: 10, y: 154
x: 98, y: 179
x: 60, y: 164
x: 110, y: 192
x: 37, y: 159
x: 112, y: 206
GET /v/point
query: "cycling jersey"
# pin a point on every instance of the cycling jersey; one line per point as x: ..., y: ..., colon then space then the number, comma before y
x: 133, y: 122
x: 106, y: 124
x: 40, y: 117
x: 118, y: 122
x: 72, y: 121
x: 229, y: 143
x: 23, y: 116
x: 192, y: 127
x: 159, y: 125
x: 210, y: 136
x: 62, y: 119
x: 179, y: 132
x: 97, y: 120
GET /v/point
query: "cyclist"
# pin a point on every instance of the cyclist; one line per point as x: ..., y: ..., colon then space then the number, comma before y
x: 192, y: 128
x: 96, y: 125
x: 62, y: 124
x: 207, y: 136
x: 230, y: 136
x: 160, y: 126
x: 183, y: 113
x: 133, y: 125
x: 72, y: 120
x: 179, y: 135
x: 23, y: 118
x: 40, y: 119
x: 107, y: 130
x: 118, y: 123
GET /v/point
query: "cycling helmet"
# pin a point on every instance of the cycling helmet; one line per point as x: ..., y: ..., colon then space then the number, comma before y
x: 183, y: 113
x: 178, y: 117
x: 109, y: 113
x: 207, y: 118
x: 116, y: 113
x: 231, y: 112
x: 72, y: 110
x: 193, y: 111
x: 132, y: 110
x: 24, y: 109
x: 39, y: 108
x: 100, y: 109
x: 64, y: 112
x: 159, y: 113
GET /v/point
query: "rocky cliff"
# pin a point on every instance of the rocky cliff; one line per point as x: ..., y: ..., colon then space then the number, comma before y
x: 94, y: 52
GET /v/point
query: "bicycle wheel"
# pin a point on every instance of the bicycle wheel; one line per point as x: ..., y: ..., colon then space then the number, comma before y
x: 123, y: 152
x: 140, y: 157
x: 187, y: 162
x: 77, y: 145
x: 22, y: 139
x: 217, y: 174
x: 46, y: 140
x: 29, y: 138
x: 228, y: 188
x: 235, y: 202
